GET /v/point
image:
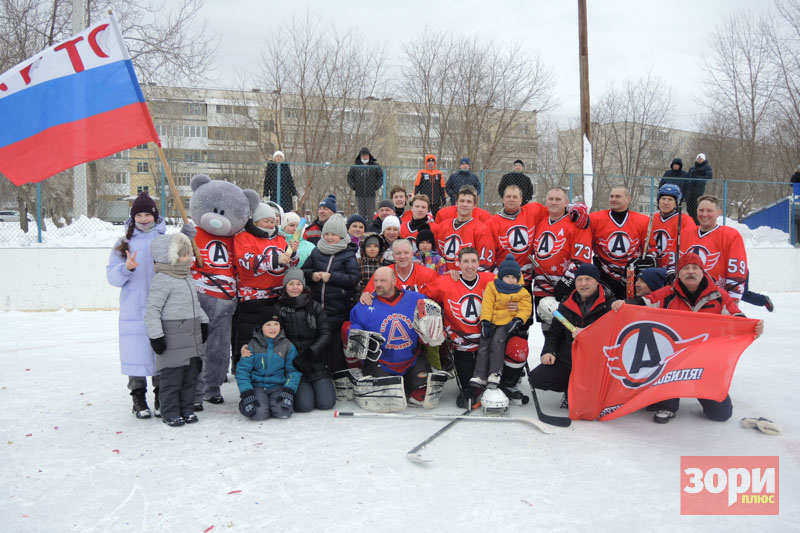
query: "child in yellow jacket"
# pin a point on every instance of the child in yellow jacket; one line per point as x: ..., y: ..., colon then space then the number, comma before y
x: 498, y: 323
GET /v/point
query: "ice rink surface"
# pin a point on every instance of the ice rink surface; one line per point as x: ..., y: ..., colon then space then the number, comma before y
x: 74, y: 458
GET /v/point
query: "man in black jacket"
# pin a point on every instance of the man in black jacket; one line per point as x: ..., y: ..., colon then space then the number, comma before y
x: 519, y: 179
x: 696, y: 186
x: 365, y: 177
x: 458, y: 179
x: 675, y: 175
x: 589, y: 301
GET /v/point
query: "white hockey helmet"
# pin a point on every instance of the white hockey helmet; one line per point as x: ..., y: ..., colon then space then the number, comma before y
x: 545, y: 309
x: 494, y: 402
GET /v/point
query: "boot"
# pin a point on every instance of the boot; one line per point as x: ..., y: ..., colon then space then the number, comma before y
x: 514, y: 395
x: 156, y: 404
x: 140, y: 408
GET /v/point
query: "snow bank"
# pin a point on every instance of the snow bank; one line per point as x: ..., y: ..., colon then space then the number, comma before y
x: 82, y: 233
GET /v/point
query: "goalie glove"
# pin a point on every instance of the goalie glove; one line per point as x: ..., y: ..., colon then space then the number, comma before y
x: 362, y: 344
x: 428, y: 322
x: 579, y: 214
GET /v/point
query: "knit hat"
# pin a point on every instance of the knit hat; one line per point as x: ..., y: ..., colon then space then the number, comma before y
x: 690, y: 259
x: 356, y: 218
x: 426, y: 235
x: 385, y: 203
x: 587, y: 269
x: 329, y: 202
x: 278, y: 153
x: 519, y: 161
x: 655, y: 278
x: 294, y: 273
x: 263, y: 211
x: 701, y: 156
x: 290, y: 218
x: 390, y: 222
x: 364, y: 151
x: 509, y: 267
x: 270, y: 313
x: 144, y: 204
x: 335, y: 225
x: 465, y: 160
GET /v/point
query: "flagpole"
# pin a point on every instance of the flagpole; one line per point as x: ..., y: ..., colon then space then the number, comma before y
x: 177, y: 196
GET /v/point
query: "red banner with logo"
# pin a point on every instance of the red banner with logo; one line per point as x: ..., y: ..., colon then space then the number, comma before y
x: 638, y: 356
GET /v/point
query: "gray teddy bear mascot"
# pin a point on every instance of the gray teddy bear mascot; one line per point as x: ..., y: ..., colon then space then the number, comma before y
x: 219, y: 210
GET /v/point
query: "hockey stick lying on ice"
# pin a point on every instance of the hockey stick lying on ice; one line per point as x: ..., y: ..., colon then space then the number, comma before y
x: 559, y: 421
x: 435, y: 416
x: 413, y: 454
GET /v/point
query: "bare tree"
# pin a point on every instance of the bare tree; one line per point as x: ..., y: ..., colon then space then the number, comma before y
x: 784, y: 46
x: 466, y: 96
x: 631, y: 137
x: 321, y: 85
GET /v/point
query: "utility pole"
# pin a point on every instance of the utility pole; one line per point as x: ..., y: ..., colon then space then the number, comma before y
x: 79, y: 195
x: 586, y: 129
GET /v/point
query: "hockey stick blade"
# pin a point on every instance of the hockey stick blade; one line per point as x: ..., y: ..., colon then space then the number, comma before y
x: 558, y: 421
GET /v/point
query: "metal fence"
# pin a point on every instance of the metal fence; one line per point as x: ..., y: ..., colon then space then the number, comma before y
x: 45, y: 214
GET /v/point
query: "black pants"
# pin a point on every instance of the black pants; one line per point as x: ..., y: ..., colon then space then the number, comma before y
x: 246, y: 321
x: 318, y: 394
x: 176, y: 391
x: 464, y: 363
x: 618, y: 287
x: 753, y: 298
x: 718, y: 411
x: 553, y: 377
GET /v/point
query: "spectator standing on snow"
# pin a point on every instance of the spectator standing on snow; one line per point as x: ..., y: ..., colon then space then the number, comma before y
x: 130, y: 267
x: 464, y: 176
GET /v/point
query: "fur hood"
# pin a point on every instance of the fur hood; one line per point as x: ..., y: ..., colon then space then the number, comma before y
x: 168, y: 248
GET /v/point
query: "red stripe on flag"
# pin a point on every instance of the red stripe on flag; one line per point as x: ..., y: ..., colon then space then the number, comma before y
x: 61, y: 147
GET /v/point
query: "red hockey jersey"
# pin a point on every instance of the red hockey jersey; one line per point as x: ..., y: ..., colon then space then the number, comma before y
x: 723, y: 254
x: 461, y: 308
x: 663, y: 241
x: 218, y: 276
x: 417, y: 280
x: 559, y: 247
x: 452, y: 237
x: 260, y: 273
x: 513, y: 235
x: 614, y: 245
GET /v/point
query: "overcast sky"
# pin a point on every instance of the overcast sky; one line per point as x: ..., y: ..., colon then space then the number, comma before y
x: 626, y: 37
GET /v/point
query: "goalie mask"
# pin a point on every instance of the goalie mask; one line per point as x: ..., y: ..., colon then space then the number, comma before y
x: 545, y: 309
x: 428, y: 322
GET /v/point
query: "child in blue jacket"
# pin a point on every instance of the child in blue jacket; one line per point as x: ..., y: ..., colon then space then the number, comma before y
x: 268, y: 379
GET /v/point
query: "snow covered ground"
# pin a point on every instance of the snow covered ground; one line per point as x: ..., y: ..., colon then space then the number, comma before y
x: 73, y: 458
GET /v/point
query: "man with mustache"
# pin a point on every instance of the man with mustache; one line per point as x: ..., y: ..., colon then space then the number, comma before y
x: 694, y: 291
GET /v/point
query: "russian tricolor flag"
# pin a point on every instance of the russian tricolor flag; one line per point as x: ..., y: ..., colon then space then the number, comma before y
x: 75, y: 102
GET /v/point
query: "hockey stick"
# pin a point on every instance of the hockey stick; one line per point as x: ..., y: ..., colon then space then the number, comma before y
x: 630, y: 287
x: 413, y: 454
x: 559, y: 421
x: 434, y: 416
x: 678, y: 237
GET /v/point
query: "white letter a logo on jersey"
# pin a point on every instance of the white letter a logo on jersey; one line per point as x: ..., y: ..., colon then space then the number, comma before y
x: 643, y: 350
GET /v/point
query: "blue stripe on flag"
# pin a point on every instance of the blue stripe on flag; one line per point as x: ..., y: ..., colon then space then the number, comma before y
x: 67, y: 99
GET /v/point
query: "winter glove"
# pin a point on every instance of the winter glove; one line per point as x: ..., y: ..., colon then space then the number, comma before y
x: 487, y: 328
x: 189, y: 230
x: 286, y: 398
x: 204, y: 332
x: 642, y: 263
x: 248, y: 404
x: 579, y: 214
x: 671, y: 275
x: 514, y: 325
x: 563, y: 288
x: 158, y: 345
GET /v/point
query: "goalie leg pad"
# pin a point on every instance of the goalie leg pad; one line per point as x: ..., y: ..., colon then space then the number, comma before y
x: 383, y: 394
x: 342, y: 382
x: 435, y: 386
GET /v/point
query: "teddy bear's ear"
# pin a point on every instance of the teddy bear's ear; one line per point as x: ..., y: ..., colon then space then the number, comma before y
x: 252, y: 197
x: 198, y: 180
